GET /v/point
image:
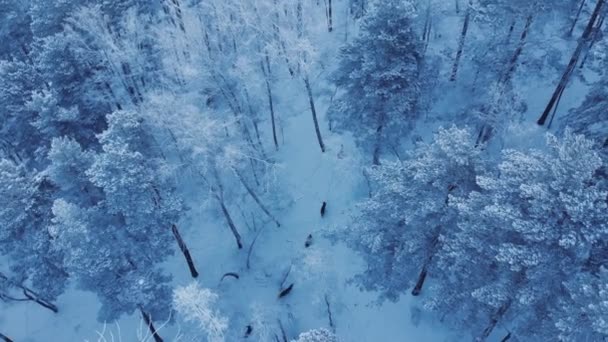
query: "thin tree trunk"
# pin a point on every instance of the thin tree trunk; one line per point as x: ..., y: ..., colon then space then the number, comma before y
x: 5, y: 338
x: 283, y: 334
x: 256, y: 198
x: 518, y: 51
x: 314, y: 113
x: 330, y: 24
x: 270, y: 102
x: 150, y: 324
x: 185, y: 251
x: 378, y: 144
x: 578, y: 14
x: 426, y: 31
x: 329, y: 314
x: 279, y: 40
x: 572, y: 64
x: 559, y: 99
x: 511, y: 29
x: 425, y: 267
x: 421, y: 278
x: 594, y: 38
x: 463, y: 35
x: 457, y: 4
x: 493, y: 321
x: 233, y: 229
x: 31, y: 295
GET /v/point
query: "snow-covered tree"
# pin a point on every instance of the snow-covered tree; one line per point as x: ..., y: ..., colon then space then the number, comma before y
x: 197, y: 305
x: 529, y: 228
x: 591, y: 117
x: 317, y: 335
x: 582, y: 315
x: 25, y: 201
x: 401, y: 227
x: 378, y: 78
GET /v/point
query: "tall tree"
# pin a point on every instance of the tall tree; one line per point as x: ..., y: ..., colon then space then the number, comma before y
x: 526, y: 232
x: 401, y: 228
x: 378, y: 76
x: 26, y: 199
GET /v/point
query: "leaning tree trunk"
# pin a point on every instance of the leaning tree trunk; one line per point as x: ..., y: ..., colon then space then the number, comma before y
x: 496, y: 317
x: 266, y: 72
x: 150, y: 324
x: 518, y: 50
x: 185, y: 251
x: 5, y: 338
x: 507, y: 337
x: 425, y: 267
x: 433, y: 248
x: 256, y: 198
x: 314, y: 113
x: 231, y: 224
x: 596, y: 34
x: 426, y: 30
x: 31, y: 295
x: 572, y: 64
x: 578, y: 14
x: 510, y: 32
x: 463, y: 36
x: 218, y: 192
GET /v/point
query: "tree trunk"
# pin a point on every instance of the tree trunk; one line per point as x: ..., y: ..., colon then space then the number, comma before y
x: 185, y: 251
x: 5, y: 338
x: 330, y: 23
x: 426, y: 31
x: 314, y: 113
x: 493, y: 321
x: 270, y: 102
x: 421, y: 278
x: 578, y: 14
x: 280, y: 41
x: 463, y: 35
x: 596, y: 34
x: 150, y: 325
x: 233, y: 229
x: 518, y: 51
x: 425, y: 267
x: 329, y: 315
x: 33, y: 296
x: 256, y: 198
x: 511, y: 29
x: 572, y: 64
x: 30, y: 295
x: 378, y: 144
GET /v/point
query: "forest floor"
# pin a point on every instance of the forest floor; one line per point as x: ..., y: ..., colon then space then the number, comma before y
x: 321, y: 273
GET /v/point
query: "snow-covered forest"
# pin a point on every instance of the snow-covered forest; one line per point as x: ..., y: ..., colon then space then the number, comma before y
x: 303, y: 170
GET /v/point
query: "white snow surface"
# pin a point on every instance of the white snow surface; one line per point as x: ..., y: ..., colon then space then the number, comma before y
x: 306, y: 177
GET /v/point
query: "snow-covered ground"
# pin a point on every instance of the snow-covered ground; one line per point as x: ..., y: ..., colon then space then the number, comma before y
x: 320, y: 273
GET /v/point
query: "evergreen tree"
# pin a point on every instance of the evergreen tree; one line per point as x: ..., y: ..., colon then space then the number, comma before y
x: 378, y: 77
x: 582, y: 314
x: 317, y: 335
x: 402, y: 226
x: 530, y: 228
x: 25, y: 201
